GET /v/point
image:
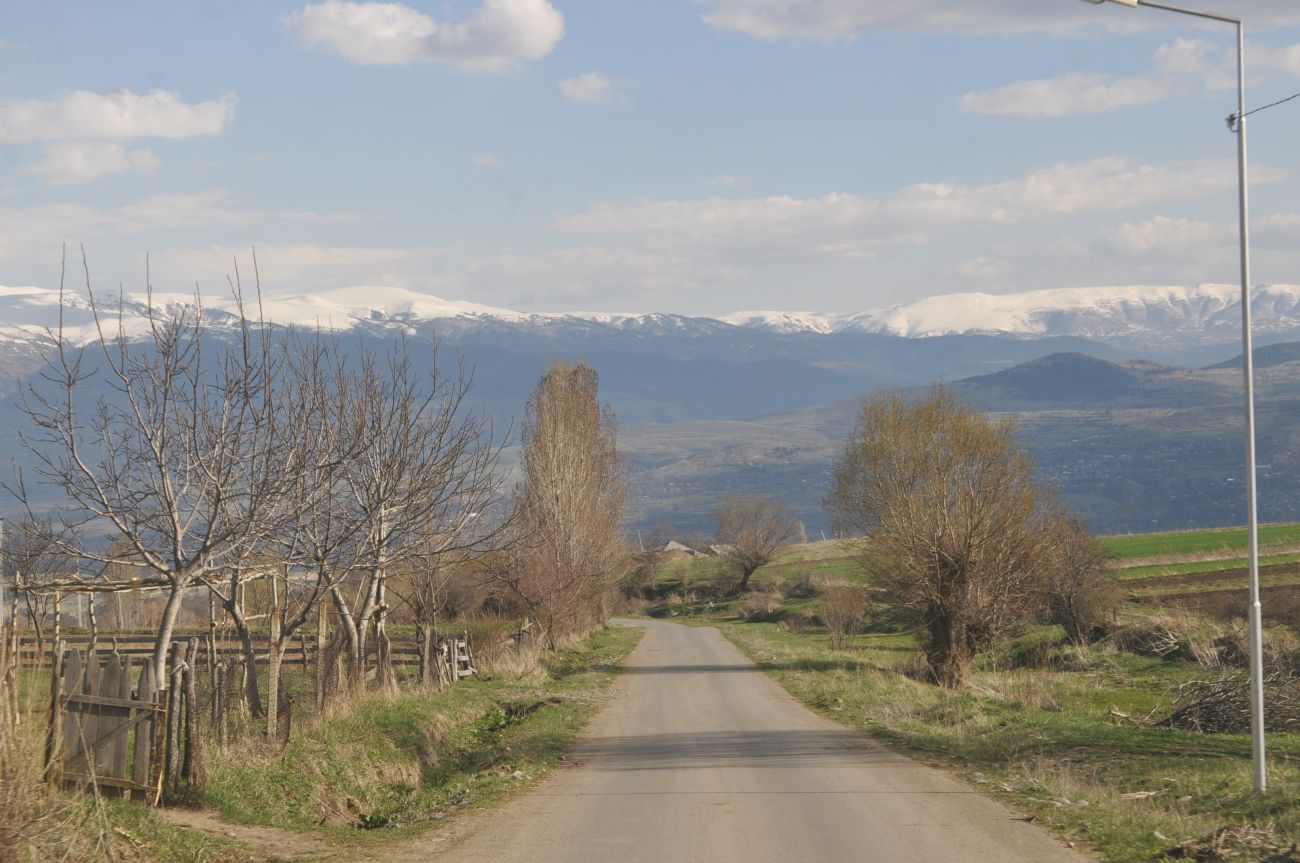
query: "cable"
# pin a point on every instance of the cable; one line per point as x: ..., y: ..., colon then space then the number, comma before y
x: 1233, y: 118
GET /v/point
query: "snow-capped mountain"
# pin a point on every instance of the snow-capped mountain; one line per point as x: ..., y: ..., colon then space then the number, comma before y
x: 1145, y: 316
x: 1202, y: 312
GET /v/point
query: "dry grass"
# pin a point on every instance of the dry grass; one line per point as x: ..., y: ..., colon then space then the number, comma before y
x: 36, y: 823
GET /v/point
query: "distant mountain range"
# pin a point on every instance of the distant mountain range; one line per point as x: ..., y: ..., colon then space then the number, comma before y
x: 1133, y: 445
x: 760, y: 401
x: 1156, y: 315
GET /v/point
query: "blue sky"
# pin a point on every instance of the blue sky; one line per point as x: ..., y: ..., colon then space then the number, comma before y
x: 698, y: 156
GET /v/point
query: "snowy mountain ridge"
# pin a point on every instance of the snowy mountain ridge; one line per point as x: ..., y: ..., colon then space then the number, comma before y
x: 1202, y: 313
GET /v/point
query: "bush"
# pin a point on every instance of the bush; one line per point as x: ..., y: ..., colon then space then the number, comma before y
x: 842, y: 607
x: 760, y: 609
x: 1031, y: 647
x: 1173, y: 634
x: 798, y: 624
x: 801, y: 587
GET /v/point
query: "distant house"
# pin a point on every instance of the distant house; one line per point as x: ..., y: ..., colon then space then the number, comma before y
x: 676, y: 549
x: 721, y: 550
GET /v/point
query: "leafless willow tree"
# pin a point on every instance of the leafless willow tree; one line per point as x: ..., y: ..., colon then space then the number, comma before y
x: 949, y: 509
x: 177, y: 459
x: 569, y: 506
x: 753, y: 530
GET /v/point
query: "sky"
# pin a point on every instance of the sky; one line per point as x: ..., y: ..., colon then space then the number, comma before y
x: 691, y: 156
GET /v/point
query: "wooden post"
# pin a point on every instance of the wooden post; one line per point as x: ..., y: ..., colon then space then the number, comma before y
x: 58, y: 614
x: 219, y: 701
x: 142, y: 757
x: 273, y: 659
x: 212, y: 637
x: 193, y: 753
x: 322, y: 620
x: 175, y: 689
x: 54, y: 733
x: 94, y: 624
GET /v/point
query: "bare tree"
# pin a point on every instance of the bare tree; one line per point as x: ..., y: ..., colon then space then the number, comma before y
x: 753, y: 530
x: 948, y: 505
x: 423, y: 474
x: 569, y: 507
x: 842, y: 607
x: 1081, y: 594
x: 31, y: 560
x: 177, y: 457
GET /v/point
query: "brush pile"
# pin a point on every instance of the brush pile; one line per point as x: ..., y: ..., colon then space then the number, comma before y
x: 1222, y: 705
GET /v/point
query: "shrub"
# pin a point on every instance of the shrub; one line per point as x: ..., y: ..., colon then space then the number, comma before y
x: 1031, y: 647
x: 842, y: 607
x: 799, y: 624
x: 1080, y: 594
x: 801, y: 587
x: 1174, y: 634
x: 760, y: 609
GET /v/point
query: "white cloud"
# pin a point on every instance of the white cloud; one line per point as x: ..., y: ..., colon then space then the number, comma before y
x: 1179, y: 67
x: 1283, y: 58
x: 69, y: 162
x: 1076, y: 93
x: 488, y: 160
x: 26, y: 231
x: 284, y: 267
x: 498, y: 37
x: 836, y: 20
x: 731, y: 181
x: 118, y: 116
x: 983, y: 267
x: 592, y: 88
x: 1095, y: 185
x: 1163, y: 236
x: 83, y: 133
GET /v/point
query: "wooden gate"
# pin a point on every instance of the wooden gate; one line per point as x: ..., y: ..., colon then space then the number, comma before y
x: 103, y: 734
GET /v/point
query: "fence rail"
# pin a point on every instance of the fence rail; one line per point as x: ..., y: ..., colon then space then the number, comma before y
x: 32, y: 652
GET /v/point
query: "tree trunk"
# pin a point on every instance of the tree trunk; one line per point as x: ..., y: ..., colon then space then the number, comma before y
x: 383, y: 651
x: 354, y: 635
x: 949, y: 653
x: 251, y: 690
x: 273, y: 688
x: 162, y: 642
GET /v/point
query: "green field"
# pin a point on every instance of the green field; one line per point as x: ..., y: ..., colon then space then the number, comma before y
x: 1193, y: 542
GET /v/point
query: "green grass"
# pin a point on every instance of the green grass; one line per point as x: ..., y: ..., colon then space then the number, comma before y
x: 1193, y: 542
x: 1047, y: 740
x: 1191, y: 567
x: 411, y: 760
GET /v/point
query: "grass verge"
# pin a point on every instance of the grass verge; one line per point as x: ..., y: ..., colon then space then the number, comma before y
x: 404, y: 762
x: 1061, y: 745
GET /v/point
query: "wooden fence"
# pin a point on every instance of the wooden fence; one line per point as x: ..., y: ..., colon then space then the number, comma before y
x: 119, y: 740
x: 140, y: 646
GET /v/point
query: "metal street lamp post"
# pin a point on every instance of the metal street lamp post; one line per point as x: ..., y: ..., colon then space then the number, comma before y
x: 1238, y: 121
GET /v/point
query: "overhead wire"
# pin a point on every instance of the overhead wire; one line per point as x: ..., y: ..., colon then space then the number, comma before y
x: 1233, y: 118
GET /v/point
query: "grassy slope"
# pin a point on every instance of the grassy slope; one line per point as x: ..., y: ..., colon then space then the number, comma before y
x: 408, y: 761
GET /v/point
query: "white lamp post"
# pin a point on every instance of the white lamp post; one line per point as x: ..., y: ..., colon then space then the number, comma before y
x: 1256, y: 628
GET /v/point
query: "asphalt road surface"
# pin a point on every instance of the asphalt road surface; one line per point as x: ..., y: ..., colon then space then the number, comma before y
x: 700, y: 757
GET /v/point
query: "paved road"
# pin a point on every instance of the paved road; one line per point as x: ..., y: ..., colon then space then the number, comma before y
x: 701, y: 757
